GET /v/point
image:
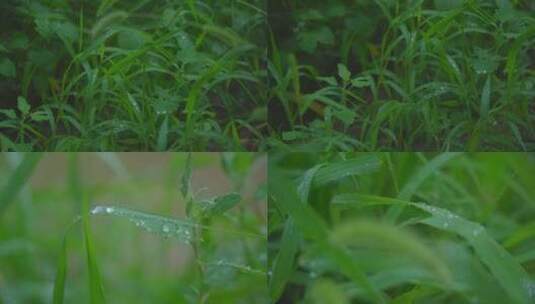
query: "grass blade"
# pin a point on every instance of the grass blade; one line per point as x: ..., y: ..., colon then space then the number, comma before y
x: 186, y: 178
x: 304, y: 186
x: 284, y: 263
x: 501, y: 264
x: 356, y: 166
x: 417, y: 180
x: 18, y: 179
x: 485, y: 100
x: 59, y: 283
x: 164, y: 226
x: 95, y: 282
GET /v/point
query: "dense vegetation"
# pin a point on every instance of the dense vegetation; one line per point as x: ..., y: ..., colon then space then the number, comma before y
x: 109, y: 228
x: 411, y: 75
x: 122, y: 75
x: 402, y: 228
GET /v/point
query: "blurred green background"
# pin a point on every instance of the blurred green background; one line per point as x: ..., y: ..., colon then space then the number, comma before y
x: 136, y: 266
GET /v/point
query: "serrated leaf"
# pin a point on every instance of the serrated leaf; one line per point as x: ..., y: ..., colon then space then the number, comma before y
x: 343, y: 72
x: 220, y: 204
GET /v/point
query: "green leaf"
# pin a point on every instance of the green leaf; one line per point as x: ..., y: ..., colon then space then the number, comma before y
x: 11, y: 114
x: 7, y: 68
x: 23, y: 105
x: 511, y: 276
x: 284, y: 262
x: 18, y: 179
x: 485, y: 100
x: 303, y: 189
x: 361, y: 82
x: 220, y: 204
x: 418, y: 179
x: 357, y: 166
x: 343, y: 72
x: 181, y: 230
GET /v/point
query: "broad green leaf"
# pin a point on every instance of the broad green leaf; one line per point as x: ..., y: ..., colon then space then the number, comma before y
x: 356, y: 166
x: 18, y: 179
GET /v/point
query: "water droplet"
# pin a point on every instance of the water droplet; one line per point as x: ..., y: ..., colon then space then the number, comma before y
x: 109, y: 210
x: 220, y: 262
x: 445, y: 225
x: 165, y: 228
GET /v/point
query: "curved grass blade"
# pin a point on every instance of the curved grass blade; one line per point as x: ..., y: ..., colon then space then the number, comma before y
x: 304, y: 186
x: 284, y: 263
x: 417, y: 180
x: 501, y: 264
x: 506, y: 270
x: 391, y: 238
x: 18, y: 179
x: 312, y: 226
x: 355, y: 166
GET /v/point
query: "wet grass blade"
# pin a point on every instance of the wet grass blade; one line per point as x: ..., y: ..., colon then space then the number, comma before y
x: 355, y: 166
x: 163, y: 226
x: 417, y: 180
x: 512, y: 277
x: 18, y: 179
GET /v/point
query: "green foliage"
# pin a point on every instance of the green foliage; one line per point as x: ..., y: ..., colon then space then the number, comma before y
x: 402, y: 75
x: 112, y: 75
x: 456, y: 219
x: 103, y: 252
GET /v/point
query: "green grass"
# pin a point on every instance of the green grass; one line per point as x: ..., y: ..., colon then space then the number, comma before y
x: 402, y: 228
x: 109, y: 228
x: 116, y: 76
x: 402, y: 75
